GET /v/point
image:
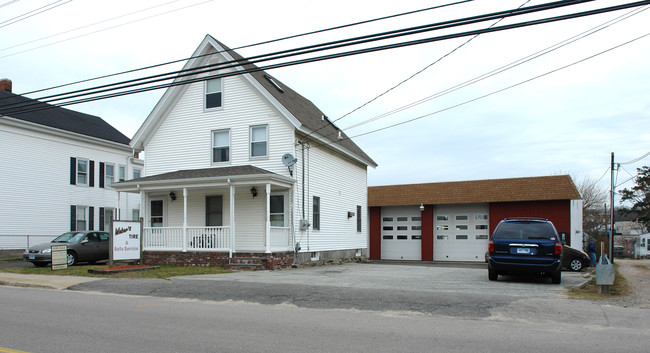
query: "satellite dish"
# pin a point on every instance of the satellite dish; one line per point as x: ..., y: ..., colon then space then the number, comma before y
x: 288, y: 160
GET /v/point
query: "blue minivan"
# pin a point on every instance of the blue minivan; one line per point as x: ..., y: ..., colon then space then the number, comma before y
x: 525, y: 246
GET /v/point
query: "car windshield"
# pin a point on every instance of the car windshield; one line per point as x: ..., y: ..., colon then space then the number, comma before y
x: 525, y: 230
x: 71, y: 237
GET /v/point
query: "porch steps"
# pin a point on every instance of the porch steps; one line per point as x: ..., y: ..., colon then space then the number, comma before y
x: 245, y: 264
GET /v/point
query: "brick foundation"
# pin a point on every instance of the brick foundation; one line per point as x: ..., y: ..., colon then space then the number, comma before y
x: 272, y: 261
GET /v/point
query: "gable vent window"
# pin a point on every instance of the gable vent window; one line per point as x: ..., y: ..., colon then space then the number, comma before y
x: 213, y: 93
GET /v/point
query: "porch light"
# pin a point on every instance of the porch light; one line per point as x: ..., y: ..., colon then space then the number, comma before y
x: 253, y: 192
x: 350, y: 214
x: 172, y: 196
x: 421, y: 207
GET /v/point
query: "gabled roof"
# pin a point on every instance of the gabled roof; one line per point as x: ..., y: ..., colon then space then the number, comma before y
x: 557, y: 187
x: 303, y: 114
x: 59, y: 118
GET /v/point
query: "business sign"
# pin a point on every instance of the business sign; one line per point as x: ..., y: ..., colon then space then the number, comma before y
x: 126, y: 240
x: 59, y: 257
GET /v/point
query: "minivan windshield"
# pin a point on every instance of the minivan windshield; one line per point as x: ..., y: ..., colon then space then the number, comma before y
x: 525, y: 230
x: 71, y: 237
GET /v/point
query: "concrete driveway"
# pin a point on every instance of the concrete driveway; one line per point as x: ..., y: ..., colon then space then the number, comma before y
x: 427, y: 277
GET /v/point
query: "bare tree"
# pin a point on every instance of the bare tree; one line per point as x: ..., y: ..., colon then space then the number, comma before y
x: 594, y: 215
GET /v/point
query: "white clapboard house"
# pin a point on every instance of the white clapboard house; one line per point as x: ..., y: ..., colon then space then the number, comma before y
x: 242, y: 170
x: 58, y: 167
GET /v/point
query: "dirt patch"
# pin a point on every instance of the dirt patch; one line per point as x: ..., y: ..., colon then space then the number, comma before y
x: 637, y: 274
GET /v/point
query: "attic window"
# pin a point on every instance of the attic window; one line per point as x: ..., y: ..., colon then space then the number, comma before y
x: 275, y: 84
x: 213, y: 93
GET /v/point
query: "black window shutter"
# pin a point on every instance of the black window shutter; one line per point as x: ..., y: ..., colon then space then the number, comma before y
x: 73, y: 218
x: 101, y: 175
x: 91, y: 218
x: 73, y: 171
x: 91, y: 173
x: 101, y: 218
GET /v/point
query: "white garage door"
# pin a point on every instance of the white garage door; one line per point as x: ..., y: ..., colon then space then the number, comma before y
x: 460, y: 232
x: 401, y: 234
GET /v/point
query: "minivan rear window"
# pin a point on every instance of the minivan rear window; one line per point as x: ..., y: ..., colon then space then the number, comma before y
x: 525, y: 230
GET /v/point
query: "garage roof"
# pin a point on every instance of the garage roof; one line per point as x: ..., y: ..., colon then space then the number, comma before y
x: 556, y: 187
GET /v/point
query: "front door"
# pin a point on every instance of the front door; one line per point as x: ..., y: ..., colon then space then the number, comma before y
x: 156, y: 213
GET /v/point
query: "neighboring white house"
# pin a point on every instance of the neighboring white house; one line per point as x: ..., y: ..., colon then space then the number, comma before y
x: 57, y: 165
x: 241, y: 169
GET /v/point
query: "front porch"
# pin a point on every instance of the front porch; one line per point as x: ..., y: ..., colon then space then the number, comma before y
x: 216, y: 216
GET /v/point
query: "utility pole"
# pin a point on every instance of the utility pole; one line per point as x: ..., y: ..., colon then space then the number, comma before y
x: 611, y: 219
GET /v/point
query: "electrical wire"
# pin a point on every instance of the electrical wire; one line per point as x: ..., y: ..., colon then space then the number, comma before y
x: 104, y: 29
x: 9, y: 3
x: 334, y: 45
x: 636, y: 159
x: 504, y: 68
x: 493, y: 92
x: 82, y: 27
x: 251, y: 45
x: 32, y: 13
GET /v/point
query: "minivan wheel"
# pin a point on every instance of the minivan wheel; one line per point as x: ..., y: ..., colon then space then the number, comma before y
x: 556, y: 278
x: 492, y: 275
x: 575, y: 264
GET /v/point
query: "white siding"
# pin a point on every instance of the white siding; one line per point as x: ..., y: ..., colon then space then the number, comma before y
x: 36, y: 182
x: 577, y: 238
x: 342, y: 186
x: 183, y: 140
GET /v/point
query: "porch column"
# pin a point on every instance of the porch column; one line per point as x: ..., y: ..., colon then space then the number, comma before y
x: 232, y: 219
x: 268, y: 218
x: 143, y: 208
x: 184, y: 219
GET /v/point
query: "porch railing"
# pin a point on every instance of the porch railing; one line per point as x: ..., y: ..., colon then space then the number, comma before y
x: 206, y: 239
x: 197, y: 238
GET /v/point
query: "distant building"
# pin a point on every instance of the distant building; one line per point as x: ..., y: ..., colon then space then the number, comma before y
x: 58, y: 167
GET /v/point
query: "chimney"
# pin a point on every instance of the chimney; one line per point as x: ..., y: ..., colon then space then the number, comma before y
x: 5, y: 84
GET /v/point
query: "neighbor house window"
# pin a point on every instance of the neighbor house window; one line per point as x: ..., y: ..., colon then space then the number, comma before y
x: 316, y: 215
x: 122, y: 173
x: 213, y: 93
x: 135, y: 214
x: 358, y: 218
x: 81, y: 218
x: 82, y: 172
x: 109, y: 174
x: 277, y: 210
x: 136, y: 173
x: 213, y: 211
x: 259, y: 140
x: 220, y: 146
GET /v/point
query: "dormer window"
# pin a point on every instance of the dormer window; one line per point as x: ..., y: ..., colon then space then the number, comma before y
x: 213, y: 93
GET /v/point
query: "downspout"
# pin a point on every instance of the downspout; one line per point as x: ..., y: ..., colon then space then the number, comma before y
x: 232, y: 218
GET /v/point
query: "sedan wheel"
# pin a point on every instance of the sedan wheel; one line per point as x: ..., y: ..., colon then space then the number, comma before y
x: 575, y: 265
x: 72, y: 258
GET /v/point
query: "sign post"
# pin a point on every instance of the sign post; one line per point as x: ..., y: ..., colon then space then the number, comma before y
x: 126, y: 243
x: 59, y: 257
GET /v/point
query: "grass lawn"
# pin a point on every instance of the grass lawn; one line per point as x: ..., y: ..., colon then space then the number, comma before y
x: 591, y: 291
x: 163, y: 272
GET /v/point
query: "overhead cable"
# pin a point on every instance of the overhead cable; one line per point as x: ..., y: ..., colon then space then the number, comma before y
x: 319, y: 47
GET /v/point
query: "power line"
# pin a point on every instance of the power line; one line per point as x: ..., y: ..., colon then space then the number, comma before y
x: 32, y: 13
x: 104, y: 29
x: 326, y: 46
x: 497, y: 91
x: 506, y: 67
x: 251, y: 45
x: 636, y: 159
x: 9, y: 3
x: 82, y: 27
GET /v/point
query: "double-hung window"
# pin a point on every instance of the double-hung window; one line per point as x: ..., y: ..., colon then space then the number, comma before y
x: 122, y: 173
x: 213, y: 93
x: 109, y: 176
x: 82, y: 172
x: 220, y: 146
x: 136, y: 173
x: 81, y: 218
x: 259, y: 141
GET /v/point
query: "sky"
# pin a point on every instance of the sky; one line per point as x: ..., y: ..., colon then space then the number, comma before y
x: 564, y: 112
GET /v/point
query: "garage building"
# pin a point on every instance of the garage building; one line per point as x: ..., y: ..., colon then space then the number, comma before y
x: 452, y: 221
